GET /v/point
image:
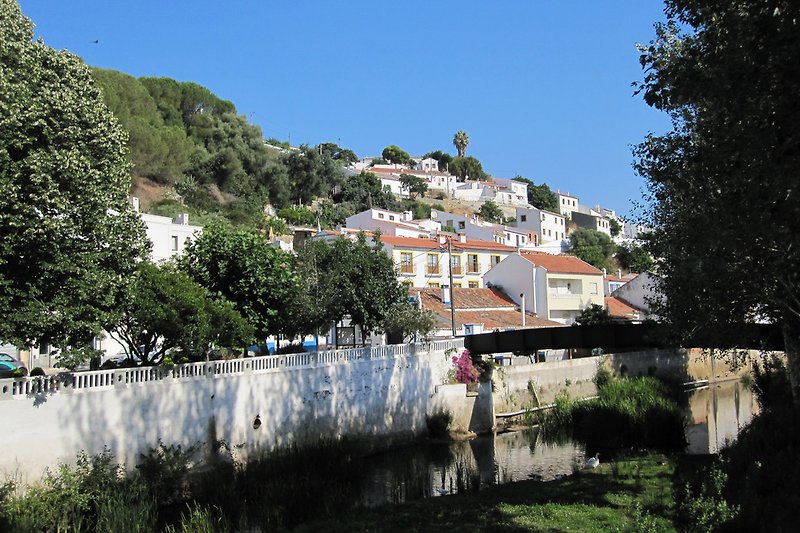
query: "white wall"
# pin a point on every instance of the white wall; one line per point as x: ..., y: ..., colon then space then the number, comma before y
x: 381, y: 391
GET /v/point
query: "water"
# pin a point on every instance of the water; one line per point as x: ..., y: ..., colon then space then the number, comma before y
x: 430, y: 469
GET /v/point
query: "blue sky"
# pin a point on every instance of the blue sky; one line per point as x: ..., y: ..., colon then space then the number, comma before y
x: 543, y: 88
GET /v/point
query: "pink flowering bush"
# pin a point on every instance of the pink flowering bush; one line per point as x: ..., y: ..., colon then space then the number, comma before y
x: 465, y: 370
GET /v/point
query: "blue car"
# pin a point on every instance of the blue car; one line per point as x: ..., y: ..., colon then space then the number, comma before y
x: 8, y: 365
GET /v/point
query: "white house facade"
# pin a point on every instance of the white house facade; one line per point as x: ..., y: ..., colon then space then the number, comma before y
x: 548, y: 226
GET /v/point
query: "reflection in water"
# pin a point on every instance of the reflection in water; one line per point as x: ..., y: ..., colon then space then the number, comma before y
x: 717, y: 413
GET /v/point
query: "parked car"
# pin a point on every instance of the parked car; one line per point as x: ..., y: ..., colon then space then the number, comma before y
x: 9, y: 366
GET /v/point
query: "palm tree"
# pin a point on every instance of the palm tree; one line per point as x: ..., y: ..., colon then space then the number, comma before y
x: 461, y: 140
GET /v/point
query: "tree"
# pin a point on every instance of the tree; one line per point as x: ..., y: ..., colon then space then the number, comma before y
x: 540, y: 196
x: 69, y: 239
x: 337, y: 153
x: 406, y: 322
x: 634, y: 257
x: 592, y: 246
x: 395, y: 154
x: 460, y: 141
x: 415, y: 185
x: 364, y: 191
x: 168, y: 311
x: 594, y: 315
x: 723, y: 182
x: 311, y: 175
x: 616, y: 227
x: 490, y: 212
x: 241, y: 267
x: 467, y: 167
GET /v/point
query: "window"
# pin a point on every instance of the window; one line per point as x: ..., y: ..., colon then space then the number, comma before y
x: 173, y: 243
x: 494, y: 259
x: 473, y: 266
x: 380, y: 215
x: 433, y: 285
x: 455, y: 263
x: 523, y: 218
x: 391, y: 217
x: 593, y: 288
x: 456, y: 285
x: 474, y: 285
x: 462, y: 225
x: 406, y: 263
x: 432, y: 266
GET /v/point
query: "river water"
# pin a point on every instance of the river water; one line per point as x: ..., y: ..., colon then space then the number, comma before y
x: 716, y: 414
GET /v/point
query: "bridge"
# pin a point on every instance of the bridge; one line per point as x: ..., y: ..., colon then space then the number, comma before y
x: 624, y: 337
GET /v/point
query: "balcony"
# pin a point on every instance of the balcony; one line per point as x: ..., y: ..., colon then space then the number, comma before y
x: 457, y: 270
x: 432, y: 269
x: 407, y: 269
x: 474, y: 268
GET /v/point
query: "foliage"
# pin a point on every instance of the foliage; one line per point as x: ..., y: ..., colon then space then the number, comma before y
x: 465, y: 370
x: 634, y: 257
x: 298, y: 215
x: 406, y: 322
x: 460, y: 141
x: 467, y: 167
x: 337, y: 153
x: 700, y: 502
x: 310, y: 175
x: 240, y: 267
x: 593, y: 315
x: 490, y: 212
x: 594, y: 247
x: 439, y: 424
x: 415, y: 185
x: 616, y: 227
x: 364, y: 191
x: 68, y: 236
x: 771, y: 383
x: 540, y: 196
x: 169, y: 311
x: 395, y: 154
x: 638, y: 413
x: 724, y: 72
x: 602, y: 377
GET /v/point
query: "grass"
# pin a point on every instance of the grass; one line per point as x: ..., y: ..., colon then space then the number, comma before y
x: 633, y: 494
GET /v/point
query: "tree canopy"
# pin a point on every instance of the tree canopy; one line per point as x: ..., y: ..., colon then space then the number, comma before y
x: 723, y: 182
x: 460, y: 141
x: 594, y: 247
x: 443, y: 158
x: 415, y: 185
x: 69, y: 239
x: 467, y: 167
x: 395, y: 154
x: 490, y: 212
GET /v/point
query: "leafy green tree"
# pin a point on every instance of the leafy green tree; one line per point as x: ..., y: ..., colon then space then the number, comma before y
x: 594, y: 315
x: 241, y: 267
x: 616, y: 227
x: 298, y: 215
x: 311, y: 175
x: 443, y: 158
x: 490, y: 212
x: 634, y: 257
x: 168, y: 311
x: 415, y: 185
x: 460, y: 141
x: 395, y: 154
x: 337, y: 153
x: 406, y: 322
x: 467, y: 167
x: 69, y: 240
x: 594, y: 247
x: 723, y: 182
x: 540, y: 196
x: 364, y: 191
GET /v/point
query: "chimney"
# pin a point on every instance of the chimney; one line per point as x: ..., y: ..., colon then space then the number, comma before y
x: 619, y: 273
x: 446, y: 294
x: 462, y: 238
x: 134, y: 202
x: 182, y: 219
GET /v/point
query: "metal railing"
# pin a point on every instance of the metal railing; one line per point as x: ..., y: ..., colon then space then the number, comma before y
x: 123, y: 377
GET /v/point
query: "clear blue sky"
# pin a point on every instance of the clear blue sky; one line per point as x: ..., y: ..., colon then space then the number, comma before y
x: 542, y: 87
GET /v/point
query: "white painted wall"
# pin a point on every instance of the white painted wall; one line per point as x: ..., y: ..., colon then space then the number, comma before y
x: 380, y: 391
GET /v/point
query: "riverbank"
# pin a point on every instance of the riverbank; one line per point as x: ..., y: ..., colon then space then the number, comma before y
x: 628, y: 494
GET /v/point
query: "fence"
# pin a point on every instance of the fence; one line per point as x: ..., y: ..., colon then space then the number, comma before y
x: 77, y: 381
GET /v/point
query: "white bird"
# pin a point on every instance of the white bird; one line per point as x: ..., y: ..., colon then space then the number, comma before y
x: 593, y: 462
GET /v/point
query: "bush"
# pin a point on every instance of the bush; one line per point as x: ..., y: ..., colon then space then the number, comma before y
x: 37, y: 371
x: 602, y: 378
x: 439, y: 424
x: 465, y: 370
x: 771, y: 384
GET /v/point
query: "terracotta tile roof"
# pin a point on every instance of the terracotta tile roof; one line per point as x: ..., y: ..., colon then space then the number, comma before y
x: 626, y: 277
x: 399, y: 171
x: 561, y: 264
x: 619, y: 309
x: 430, y: 244
x: 567, y: 195
x: 490, y: 307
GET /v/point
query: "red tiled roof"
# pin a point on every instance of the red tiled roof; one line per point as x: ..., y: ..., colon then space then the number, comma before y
x: 627, y: 277
x: 561, y: 264
x: 619, y: 309
x: 429, y: 244
x: 399, y: 171
x: 490, y: 307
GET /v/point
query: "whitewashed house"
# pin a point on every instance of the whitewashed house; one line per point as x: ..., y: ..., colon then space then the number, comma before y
x: 388, y: 223
x: 567, y: 203
x: 548, y: 226
x: 554, y: 287
x: 475, y: 228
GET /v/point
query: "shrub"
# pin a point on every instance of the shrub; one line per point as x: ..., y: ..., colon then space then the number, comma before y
x: 439, y: 424
x: 770, y: 383
x: 37, y: 371
x: 465, y: 370
x: 602, y: 378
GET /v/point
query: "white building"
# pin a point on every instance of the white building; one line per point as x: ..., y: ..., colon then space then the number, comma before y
x: 548, y: 226
x: 567, y: 203
x: 168, y: 236
x: 593, y: 221
x: 388, y: 223
x: 475, y: 228
x: 555, y: 287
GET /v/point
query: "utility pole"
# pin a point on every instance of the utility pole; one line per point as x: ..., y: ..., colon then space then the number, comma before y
x: 452, y: 288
